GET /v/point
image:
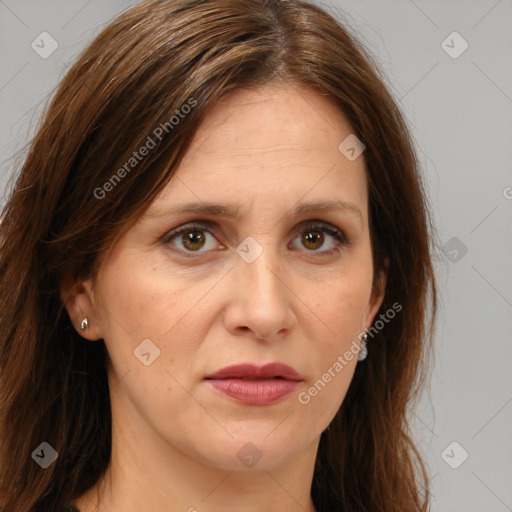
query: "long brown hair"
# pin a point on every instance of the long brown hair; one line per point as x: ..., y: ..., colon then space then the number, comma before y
x: 148, y: 63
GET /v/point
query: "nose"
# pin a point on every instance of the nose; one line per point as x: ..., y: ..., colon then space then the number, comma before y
x: 261, y: 299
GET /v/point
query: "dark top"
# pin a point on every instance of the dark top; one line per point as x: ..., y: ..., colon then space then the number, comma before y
x: 71, y: 508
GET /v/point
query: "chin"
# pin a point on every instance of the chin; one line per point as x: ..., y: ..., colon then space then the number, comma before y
x: 253, y: 451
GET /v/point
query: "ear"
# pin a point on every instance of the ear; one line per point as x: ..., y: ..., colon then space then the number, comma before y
x: 78, y: 299
x: 377, y: 296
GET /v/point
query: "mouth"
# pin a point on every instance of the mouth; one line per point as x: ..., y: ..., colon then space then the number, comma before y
x: 253, y: 385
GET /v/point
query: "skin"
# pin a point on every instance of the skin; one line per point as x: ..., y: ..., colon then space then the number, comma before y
x: 175, y: 439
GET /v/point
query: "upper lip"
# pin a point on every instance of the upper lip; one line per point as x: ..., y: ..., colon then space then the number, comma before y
x: 251, y: 371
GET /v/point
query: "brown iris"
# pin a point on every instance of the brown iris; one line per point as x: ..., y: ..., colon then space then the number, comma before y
x: 193, y: 240
x: 313, y: 239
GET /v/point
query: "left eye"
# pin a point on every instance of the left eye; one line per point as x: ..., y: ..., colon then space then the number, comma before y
x: 313, y: 237
x: 193, y: 238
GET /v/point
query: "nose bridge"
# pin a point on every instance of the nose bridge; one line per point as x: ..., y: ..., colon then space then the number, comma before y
x: 258, y: 268
x: 262, y: 296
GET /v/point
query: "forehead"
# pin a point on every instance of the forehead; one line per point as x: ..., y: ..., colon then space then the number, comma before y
x: 272, y: 144
x: 272, y: 119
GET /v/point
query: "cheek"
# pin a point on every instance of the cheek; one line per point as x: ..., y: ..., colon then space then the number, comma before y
x: 323, y: 396
x: 341, y: 306
x: 143, y: 301
x: 140, y: 305
x: 343, y: 301
x: 141, y: 297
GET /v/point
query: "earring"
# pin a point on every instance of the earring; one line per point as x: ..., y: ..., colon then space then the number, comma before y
x: 364, y: 351
x: 84, y: 324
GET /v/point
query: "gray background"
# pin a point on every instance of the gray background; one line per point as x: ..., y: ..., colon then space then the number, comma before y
x: 460, y: 110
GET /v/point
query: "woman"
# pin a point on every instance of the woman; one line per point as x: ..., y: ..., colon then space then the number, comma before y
x: 220, y: 208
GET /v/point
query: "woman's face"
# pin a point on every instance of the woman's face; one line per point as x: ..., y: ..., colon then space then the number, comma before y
x: 264, y: 274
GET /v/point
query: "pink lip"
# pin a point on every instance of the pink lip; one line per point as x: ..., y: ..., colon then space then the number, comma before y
x: 256, y: 385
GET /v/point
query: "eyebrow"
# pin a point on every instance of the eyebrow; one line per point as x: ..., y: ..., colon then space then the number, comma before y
x: 232, y: 211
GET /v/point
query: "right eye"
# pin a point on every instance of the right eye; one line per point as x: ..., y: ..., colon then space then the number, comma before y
x: 192, y: 238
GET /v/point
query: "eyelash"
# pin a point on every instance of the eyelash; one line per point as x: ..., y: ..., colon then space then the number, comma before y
x: 341, y: 239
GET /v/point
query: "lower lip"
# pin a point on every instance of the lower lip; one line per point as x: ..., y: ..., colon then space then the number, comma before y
x: 255, y: 392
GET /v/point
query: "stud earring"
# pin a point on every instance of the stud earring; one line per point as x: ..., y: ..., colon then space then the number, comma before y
x: 84, y: 324
x: 364, y: 350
